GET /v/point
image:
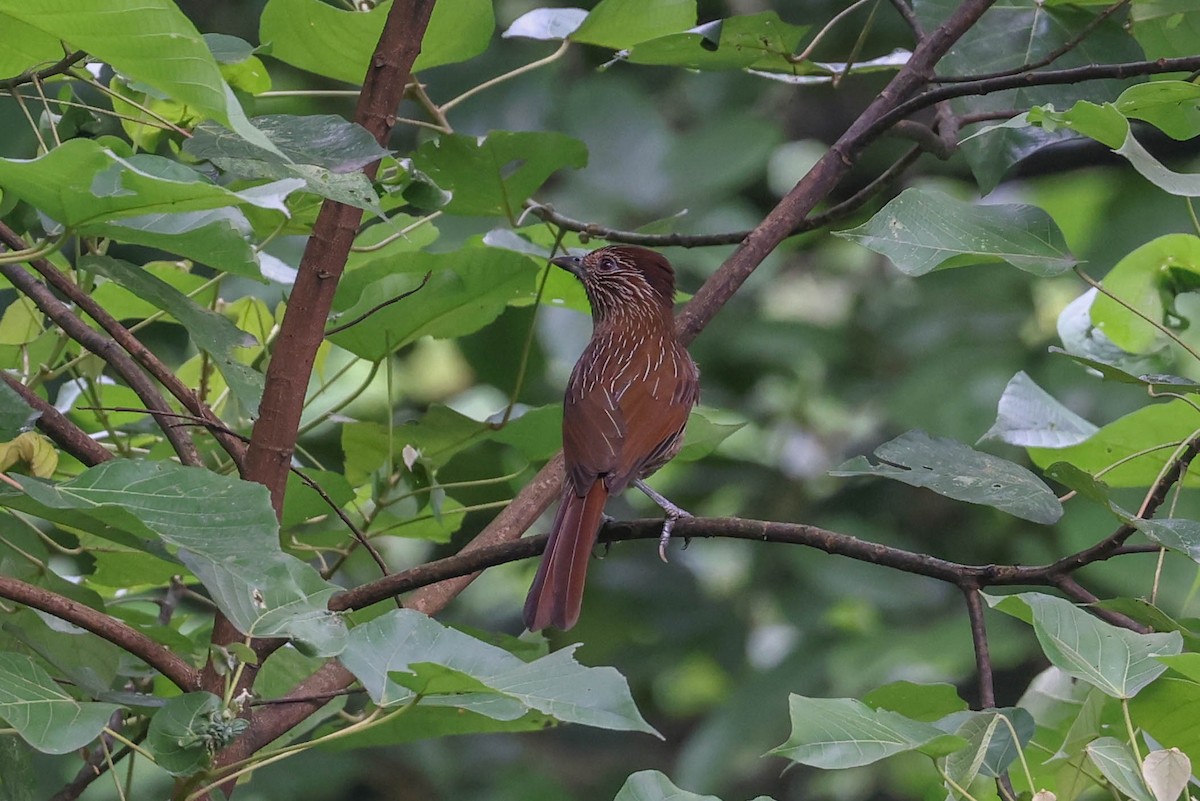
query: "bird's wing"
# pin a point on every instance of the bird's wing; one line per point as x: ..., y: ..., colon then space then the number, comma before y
x: 593, y: 433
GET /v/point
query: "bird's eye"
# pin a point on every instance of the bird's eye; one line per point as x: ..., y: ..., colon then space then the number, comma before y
x: 608, y: 264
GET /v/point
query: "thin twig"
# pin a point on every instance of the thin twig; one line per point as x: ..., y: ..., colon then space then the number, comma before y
x: 983, y: 659
x: 379, y: 306
x: 61, y: 67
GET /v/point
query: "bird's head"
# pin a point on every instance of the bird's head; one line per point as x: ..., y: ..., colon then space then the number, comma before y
x: 623, y: 279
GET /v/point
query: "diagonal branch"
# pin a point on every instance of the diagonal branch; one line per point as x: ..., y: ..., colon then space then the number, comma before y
x: 158, y: 656
x: 108, y: 350
x: 54, y: 424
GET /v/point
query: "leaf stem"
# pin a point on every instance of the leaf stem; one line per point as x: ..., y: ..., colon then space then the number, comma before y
x: 533, y: 65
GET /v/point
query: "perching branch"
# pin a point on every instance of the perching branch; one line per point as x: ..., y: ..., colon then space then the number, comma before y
x: 158, y: 656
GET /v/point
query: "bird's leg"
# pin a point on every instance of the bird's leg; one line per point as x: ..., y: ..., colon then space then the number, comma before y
x: 605, y: 519
x: 672, y: 511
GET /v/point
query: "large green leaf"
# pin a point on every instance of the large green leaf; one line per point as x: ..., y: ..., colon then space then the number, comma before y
x: 759, y: 41
x: 923, y: 702
x: 188, y: 730
x: 921, y: 231
x: 82, y: 183
x: 46, y: 717
x: 25, y: 47
x: 496, y: 174
x: 620, y: 24
x: 150, y: 41
x: 1166, y: 28
x: 958, y: 471
x: 1116, y: 661
x: 1135, y: 435
x: 211, y: 332
x: 218, y: 238
x: 835, y: 733
x: 1030, y: 416
x: 650, y: 785
x: 467, y: 290
x: 1116, y: 761
x: 223, y: 528
x: 403, y: 653
x: 324, y: 150
x: 1168, y: 710
x: 337, y: 43
x: 1011, y: 34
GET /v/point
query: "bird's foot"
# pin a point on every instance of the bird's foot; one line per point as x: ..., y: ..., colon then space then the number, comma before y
x: 673, y: 514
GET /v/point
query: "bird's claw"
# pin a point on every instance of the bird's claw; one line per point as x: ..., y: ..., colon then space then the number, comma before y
x: 668, y: 527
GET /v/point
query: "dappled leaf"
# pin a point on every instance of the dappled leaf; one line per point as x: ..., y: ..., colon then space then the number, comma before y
x: 1030, y: 416
x: 1116, y: 661
x: 958, y: 471
x: 922, y: 231
x: 554, y: 685
x: 834, y: 733
x: 43, y: 715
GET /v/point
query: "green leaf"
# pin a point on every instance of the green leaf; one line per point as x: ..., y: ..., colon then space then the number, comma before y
x: 338, y: 44
x: 545, y: 24
x: 25, y: 47
x: 958, y: 471
x: 1011, y: 34
x: 1116, y: 761
x: 1116, y: 661
x: 650, y: 785
x: 1110, y: 372
x: 623, y: 23
x: 704, y: 435
x: 217, y: 238
x: 923, y: 702
x: 81, y: 183
x: 1132, y: 434
x: 1171, y: 106
x: 324, y: 150
x: 15, y: 414
x: 554, y: 685
x: 468, y: 289
x: 836, y: 733
x: 150, y: 41
x: 495, y: 175
x: 1147, y: 279
x: 991, y: 747
x: 1174, y: 533
x: 1030, y: 416
x: 188, y: 730
x: 1150, y: 168
x: 301, y: 502
x: 211, y: 332
x: 1167, y: 710
x: 17, y: 781
x: 21, y: 323
x: 225, y: 532
x: 1166, y: 28
x: 1156, y: 619
x: 756, y: 41
x: 43, y: 715
x: 922, y: 231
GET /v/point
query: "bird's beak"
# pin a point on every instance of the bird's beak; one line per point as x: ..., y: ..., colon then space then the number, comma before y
x: 572, y: 264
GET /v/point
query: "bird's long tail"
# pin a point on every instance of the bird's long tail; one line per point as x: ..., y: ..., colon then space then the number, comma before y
x: 557, y: 592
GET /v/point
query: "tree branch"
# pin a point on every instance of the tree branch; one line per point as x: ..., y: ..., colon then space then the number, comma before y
x: 983, y: 659
x: 108, y: 350
x: 159, y: 657
x: 122, y: 336
x: 54, y: 424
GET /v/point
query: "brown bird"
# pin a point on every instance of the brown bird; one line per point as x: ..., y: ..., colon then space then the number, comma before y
x: 623, y: 416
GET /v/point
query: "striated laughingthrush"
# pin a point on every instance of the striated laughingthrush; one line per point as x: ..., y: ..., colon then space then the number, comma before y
x: 624, y: 413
